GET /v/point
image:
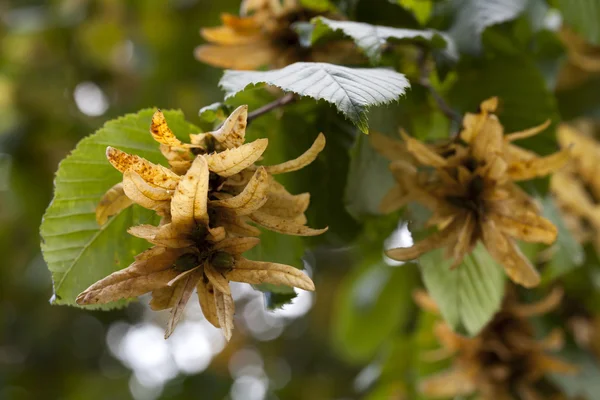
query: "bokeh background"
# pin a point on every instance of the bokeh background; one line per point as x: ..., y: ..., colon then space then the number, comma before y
x: 66, y: 67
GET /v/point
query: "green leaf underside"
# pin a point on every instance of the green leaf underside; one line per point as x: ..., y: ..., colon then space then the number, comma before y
x: 372, y: 39
x: 568, y: 252
x: 351, y: 90
x: 586, y: 382
x: 78, y: 251
x: 474, y: 16
x: 583, y: 17
x: 469, y: 296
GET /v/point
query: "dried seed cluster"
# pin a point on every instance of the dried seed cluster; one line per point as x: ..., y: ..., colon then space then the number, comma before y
x: 469, y: 185
x: 264, y: 36
x: 208, y: 201
x: 504, y: 361
x: 576, y: 188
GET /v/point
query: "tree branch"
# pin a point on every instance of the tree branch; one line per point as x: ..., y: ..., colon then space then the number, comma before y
x: 280, y: 102
x: 439, y: 100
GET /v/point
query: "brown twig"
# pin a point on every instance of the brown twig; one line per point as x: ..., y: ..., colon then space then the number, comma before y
x: 280, y: 102
x: 448, y: 111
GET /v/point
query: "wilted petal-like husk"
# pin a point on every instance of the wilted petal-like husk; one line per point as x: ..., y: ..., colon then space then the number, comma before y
x: 255, y: 272
x: 225, y: 310
x: 183, y: 292
x: 525, y: 169
x: 113, y: 202
x: 236, y: 245
x: 451, y: 383
x: 161, y: 132
x: 285, y: 205
x: 285, y: 226
x: 251, y: 198
x: 165, y: 235
x: 232, y: 161
x: 302, y: 161
x: 147, y: 189
x: 507, y: 253
x: 137, y: 196
x: 234, y: 224
x: 217, y: 279
x: 151, y: 270
x: 526, y: 133
x: 423, y: 153
x: 241, y: 57
x: 233, y: 131
x: 389, y: 148
x: 152, y: 173
x: 189, y: 203
x: 206, y: 298
x: 526, y: 226
x: 434, y: 241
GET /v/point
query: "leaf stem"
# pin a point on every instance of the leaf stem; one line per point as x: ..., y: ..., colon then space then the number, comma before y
x: 424, y: 81
x: 280, y: 102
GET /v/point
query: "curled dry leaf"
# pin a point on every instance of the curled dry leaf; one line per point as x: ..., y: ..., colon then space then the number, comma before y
x: 298, y: 163
x: 285, y: 226
x: 162, y: 133
x: 133, y: 192
x: 251, y: 198
x: 225, y: 310
x: 255, y: 272
x: 183, y: 292
x: 206, y: 297
x: 152, y: 173
x: 232, y: 161
x: 113, y: 202
x: 233, y: 131
x: 189, y: 203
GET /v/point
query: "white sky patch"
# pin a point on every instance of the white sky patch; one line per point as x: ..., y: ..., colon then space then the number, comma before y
x: 90, y: 99
x: 401, y: 237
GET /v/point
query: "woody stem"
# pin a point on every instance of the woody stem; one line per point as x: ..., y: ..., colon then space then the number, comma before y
x: 280, y: 102
x: 424, y: 81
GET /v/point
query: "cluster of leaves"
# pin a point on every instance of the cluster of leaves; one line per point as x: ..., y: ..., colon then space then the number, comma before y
x: 453, y: 55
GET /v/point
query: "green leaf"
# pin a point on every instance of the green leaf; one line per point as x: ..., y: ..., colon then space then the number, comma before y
x: 318, y: 5
x: 568, y: 252
x: 470, y: 295
x: 420, y: 8
x: 525, y: 100
x: 583, y: 384
x: 352, y: 90
x: 372, y: 39
x: 583, y: 17
x: 214, y: 112
x: 473, y: 17
x: 373, y: 301
x: 369, y: 179
x: 78, y: 251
